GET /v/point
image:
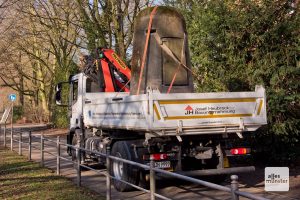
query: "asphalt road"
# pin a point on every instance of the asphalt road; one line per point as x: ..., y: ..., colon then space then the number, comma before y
x: 171, y: 188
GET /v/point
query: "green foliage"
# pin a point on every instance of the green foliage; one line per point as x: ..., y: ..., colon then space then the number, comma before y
x: 60, y: 117
x: 18, y: 113
x: 236, y: 45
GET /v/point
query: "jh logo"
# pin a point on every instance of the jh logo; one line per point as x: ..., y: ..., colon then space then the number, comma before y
x: 189, y: 110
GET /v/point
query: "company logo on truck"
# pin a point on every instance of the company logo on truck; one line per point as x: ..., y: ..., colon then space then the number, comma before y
x: 119, y: 61
x: 209, y: 110
x: 189, y: 110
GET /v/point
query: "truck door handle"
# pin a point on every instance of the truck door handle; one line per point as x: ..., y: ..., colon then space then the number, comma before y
x: 117, y: 99
x: 87, y: 101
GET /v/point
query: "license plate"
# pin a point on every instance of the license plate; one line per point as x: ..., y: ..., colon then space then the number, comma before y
x: 163, y: 164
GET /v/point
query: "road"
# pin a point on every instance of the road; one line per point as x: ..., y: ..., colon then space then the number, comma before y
x: 171, y: 188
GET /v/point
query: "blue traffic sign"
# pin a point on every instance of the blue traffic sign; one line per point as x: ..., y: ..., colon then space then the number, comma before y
x: 12, y: 97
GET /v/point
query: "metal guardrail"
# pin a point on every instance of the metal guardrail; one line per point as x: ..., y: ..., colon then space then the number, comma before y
x: 233, y: 189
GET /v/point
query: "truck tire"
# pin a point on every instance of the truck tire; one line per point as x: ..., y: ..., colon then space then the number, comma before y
x: 143, y: 181
x: 123, y: 171
x: 69, y: 141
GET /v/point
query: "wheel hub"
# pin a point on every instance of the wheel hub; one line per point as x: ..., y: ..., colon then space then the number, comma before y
x: 118, y: 167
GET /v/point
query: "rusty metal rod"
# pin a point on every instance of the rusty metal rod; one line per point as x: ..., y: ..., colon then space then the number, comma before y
x: 78, y: 154
x: 58, y: 156
x: 20, y: 143
x: 152, y: 180
x: 11, y: 127
x: 42, y: 150
x: 234, y: 187
x: 4, y: 134
x: 108, y: 179
x: 29, y: 145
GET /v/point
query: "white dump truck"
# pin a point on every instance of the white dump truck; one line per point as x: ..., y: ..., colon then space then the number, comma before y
x: 152, y: 112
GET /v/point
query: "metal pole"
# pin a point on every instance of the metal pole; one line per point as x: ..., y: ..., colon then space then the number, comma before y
x: 4, y: 134
x: 42, y: 150
x: 20, y: 143
x: 108, y: 179
x: 152, y: 180
x: 58, y: 156
x: 11, y: 126
x: 78, y: 167
x: 29, y: 146
x: 234, y: 187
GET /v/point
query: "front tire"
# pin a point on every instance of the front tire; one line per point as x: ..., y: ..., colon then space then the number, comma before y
x: 76, y: 143
x: 123, y: 171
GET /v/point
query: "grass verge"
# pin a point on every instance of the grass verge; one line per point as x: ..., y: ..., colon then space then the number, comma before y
x: 20, y: 179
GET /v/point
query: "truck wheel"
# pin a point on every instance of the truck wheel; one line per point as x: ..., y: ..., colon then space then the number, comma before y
x: 143, y: 181
x: 123, y: 171
x: 69, y: 141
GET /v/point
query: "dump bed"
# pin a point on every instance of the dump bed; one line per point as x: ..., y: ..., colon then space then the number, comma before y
x: 177, y: 113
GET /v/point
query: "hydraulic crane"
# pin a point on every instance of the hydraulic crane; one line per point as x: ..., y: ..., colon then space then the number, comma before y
x: 108, y: 70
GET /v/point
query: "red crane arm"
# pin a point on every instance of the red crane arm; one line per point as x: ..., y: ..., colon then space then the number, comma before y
x: 108, y: 70
x: 117, y: 62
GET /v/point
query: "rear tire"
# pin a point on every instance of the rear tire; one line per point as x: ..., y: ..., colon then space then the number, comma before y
x: 143, y: 181
x: 123, y: 171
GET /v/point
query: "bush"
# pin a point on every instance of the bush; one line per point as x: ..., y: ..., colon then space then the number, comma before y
x: 60, y: 117
x: 18, y: 113
x: 236, y: 46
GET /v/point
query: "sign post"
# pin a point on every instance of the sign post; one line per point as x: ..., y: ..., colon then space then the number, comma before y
x: 12, y: 98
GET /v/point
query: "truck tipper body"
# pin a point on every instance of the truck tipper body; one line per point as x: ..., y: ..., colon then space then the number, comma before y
x: 176, y: 114
x: 151, y: 112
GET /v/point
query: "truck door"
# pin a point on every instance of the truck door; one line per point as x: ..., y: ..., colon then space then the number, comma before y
x: 75, y: 104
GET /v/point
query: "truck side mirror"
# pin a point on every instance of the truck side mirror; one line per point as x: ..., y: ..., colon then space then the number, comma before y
x: 58, y: 89
x: 61, y: 93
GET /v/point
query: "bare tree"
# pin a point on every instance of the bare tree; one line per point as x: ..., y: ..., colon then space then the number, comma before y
x: 109, y: 23
x: 38, y: 47
x: 41, y: 41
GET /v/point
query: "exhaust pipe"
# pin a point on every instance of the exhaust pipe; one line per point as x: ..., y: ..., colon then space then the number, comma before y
x: 209, y: 172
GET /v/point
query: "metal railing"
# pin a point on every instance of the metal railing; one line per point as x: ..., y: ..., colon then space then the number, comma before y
x: 233, y: 189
